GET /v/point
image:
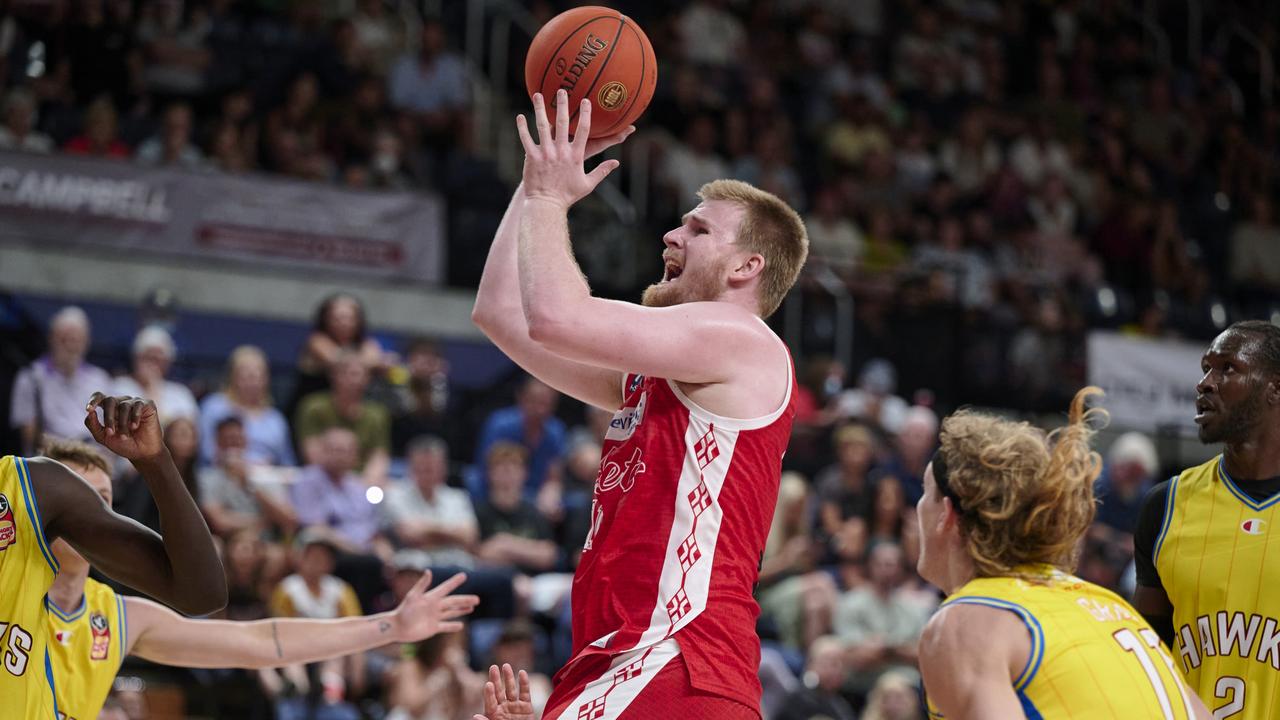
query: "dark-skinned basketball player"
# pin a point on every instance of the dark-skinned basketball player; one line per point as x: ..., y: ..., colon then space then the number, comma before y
x: 42, y: 500
x: 1207, y: 546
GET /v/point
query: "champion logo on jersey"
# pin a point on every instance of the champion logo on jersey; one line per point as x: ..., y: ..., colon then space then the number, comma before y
x: 8, y: 529
x: 1254, y: 526
x: 63, y: 637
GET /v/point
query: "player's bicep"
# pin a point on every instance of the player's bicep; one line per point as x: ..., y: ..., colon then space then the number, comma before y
x: 695, y: 343
x: 967, y: 658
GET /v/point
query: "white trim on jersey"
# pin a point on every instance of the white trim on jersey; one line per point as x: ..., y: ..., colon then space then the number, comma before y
x: 728, y: 423
x: 612, y: 692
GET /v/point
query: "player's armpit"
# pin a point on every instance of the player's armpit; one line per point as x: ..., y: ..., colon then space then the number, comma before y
x: 1154, y: 604
x: 969, y: 656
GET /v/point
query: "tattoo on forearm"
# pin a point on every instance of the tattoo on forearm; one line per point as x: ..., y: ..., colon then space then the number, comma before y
x: 275, y: 635
x: 383, y: 626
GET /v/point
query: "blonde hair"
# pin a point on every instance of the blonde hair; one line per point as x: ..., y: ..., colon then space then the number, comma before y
x: 792, y: 489
x: 771, y: 228
x: 1026, y: 497
x: 73, y: 452
x: 505, y: 451
x: 886, y: 683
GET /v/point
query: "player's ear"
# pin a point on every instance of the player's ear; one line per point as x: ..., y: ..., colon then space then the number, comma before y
x: 748, y: 267
x: 1272, y: 392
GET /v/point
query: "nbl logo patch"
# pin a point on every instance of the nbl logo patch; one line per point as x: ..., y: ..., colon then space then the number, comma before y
x: 101, y: 636
x: 8, y: 529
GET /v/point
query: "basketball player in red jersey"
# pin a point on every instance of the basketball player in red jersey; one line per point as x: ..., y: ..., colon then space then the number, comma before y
x: 663, y: 614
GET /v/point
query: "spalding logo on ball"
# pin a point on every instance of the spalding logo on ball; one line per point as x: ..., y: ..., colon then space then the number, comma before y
x: 597, y: 53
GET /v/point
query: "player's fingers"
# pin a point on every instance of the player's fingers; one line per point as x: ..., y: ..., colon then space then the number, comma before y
x: 457, y: 607
x: 450, y: 585
x: 451, y: 626
x: 422, y: 584
x: 108, y: 406
x: 524, y: 686
x: 137, y: 411
x: 583, y: 131
x: 540, y: 119
x: 93, y: 424
x: 94, y: 401
x: 491, y: 692
x: 522, y: 129
x: 602, y: 171
x: 562, y: 117
x: 509, y: 683
x: 123, y: 411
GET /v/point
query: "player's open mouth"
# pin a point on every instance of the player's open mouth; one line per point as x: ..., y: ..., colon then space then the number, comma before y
x: 671, y: 271
x: 1203, y: 411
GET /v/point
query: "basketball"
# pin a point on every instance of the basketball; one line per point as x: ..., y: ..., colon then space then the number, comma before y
x: 597, y: 53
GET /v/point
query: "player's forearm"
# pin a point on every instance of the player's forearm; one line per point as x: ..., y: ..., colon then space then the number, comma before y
x: 193, y: 579
x: 552, y: 287
x: 289, y: 641
x: 497, y: 308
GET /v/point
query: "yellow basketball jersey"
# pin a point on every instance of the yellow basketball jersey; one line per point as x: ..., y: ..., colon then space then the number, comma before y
x: 1218, y: 555
x: 27, y: 568
x: 87, y: 646
x: 1092, y: 655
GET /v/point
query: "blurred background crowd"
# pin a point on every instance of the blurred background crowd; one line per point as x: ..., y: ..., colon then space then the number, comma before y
x: 983, y: 182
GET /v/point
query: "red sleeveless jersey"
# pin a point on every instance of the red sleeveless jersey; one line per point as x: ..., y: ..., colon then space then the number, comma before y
x: 682, y: 507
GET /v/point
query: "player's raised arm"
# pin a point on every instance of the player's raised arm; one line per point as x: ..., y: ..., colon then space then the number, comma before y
x: 969, y: 658
x: 182, y: 568
x: 674, y: 336
x: 160, y: 635
x: 498, y: 314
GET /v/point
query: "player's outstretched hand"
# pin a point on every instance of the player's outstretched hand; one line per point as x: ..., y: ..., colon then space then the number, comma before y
x: 553, y: 166
x: 424, y: 613
x: 130, y: 426
x: 503, y: 698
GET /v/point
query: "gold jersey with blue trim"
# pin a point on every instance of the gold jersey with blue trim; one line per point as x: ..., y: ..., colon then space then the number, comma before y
x: 1218, y: 557
x: 1092, y: 655
x: 27, y: 568
x: 87, y: 646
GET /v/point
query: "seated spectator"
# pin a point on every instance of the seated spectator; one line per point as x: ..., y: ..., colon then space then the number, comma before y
x: 229, y: 497
x: 834, y: 241
x: 428, y: 515
x: 330, y: 494
x: 347, y: 406
x: 896, y: 696
x: 99, y: 138
x: 873, y: 400
x: 797, y: 599
x: 878, y: 623
x: 153, y: 355
x: 887, y: 507
x: 49, y: 395
x: 1255, y: 249
x: 250, y: 576
x: 435, y: 680
x: 427, y: 405
x: 516, y: 647
x: 512, y: 532
x: 339, y: 327
x: 914, y: 444
x: 172, y: 146
x: 19, y: 129
x: 1129, y: 472
x: 176, y: 49
x: 431, y: 86
x: 246, y: 395
x: 532, y: 424
x: 693, y: 161
x: 844, y: 490
x: 824, y: 675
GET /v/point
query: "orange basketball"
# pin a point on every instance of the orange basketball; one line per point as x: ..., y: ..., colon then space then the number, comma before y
x: 597, y: 53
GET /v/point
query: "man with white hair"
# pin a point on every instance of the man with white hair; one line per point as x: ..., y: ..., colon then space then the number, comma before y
x: 49, y: 394
x: 153, y: 354
x: 1130, y: 468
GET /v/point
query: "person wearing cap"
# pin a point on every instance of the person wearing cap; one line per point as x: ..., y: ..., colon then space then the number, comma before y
x: 48, y: 395
x: 153, y: 355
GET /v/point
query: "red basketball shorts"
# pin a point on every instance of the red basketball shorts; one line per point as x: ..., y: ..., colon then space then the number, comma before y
x: 638, y: 685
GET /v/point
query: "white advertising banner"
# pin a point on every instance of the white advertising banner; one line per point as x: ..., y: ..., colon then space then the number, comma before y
x: 1150, y: 383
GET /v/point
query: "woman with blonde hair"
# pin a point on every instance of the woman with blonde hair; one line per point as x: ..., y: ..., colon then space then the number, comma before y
x: 246, y: 394
x: 896, y: 696
x: 1003, y: 511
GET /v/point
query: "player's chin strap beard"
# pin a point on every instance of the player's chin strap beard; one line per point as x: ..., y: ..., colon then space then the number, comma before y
x: 939, y: 463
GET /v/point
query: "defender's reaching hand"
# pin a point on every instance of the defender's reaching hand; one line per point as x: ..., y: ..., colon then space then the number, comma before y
x: 553, y: 169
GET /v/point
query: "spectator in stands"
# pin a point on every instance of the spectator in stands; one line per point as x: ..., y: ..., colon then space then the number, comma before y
x: 19, y: 130
x: 249, y: 576
x: 295, y: 130
x: 834, y: 240
x: 172, y: 145
x: 887, y: 507
x: 339, y: 327
x: 531, y: 423
x: 435, y: 680
x: 710, y: 34
x: 427, y: 404
x: 692, y: 162
x: 153, y: 356
x: 878, y: 624
x: 873, y: 400
x: 427, y: 515
x: 1129, y: 472
x: 844, y: 491
x: 348, y: 406
x: 973, y: 156
x: 381, y: 35
x: 516, y: 647
x: 327, y: 492
x: 174, y: 44
x: 797, y: 599
x: 512, y: 532
x: 49, y: 395
x: 824, y: 675
x: 99, y: 138
x: 896, y: 696
x: 1255, y: 250
x: 914, y: 444
x: 431, y: 86
x: 246, y: 395
x: 231, y: 497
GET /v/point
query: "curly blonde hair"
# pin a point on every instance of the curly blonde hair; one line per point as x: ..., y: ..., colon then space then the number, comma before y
x: 1026, y: 497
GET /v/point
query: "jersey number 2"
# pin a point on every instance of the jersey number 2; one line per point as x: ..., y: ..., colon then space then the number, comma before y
x: 1143, y: 650
x: 1235, y: 686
